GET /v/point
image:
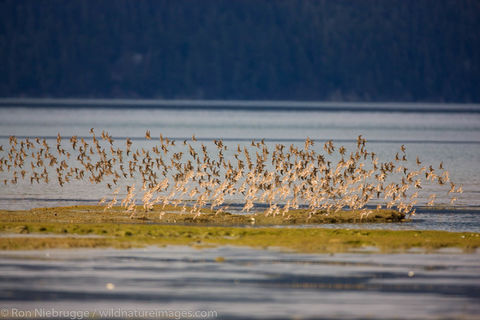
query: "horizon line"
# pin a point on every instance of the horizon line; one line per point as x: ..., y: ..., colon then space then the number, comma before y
x: 244, y: 105
x: 257, y: 139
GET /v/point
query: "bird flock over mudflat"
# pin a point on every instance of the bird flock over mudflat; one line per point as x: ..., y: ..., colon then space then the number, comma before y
x: 322, y: 177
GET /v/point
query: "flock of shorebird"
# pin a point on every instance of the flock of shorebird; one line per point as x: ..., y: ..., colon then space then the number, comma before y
x: 195, y: 178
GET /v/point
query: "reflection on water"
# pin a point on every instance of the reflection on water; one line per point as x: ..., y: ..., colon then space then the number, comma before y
x: 248, y: 284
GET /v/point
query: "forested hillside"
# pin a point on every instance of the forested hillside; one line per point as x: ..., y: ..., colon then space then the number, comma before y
x: 395, y: 50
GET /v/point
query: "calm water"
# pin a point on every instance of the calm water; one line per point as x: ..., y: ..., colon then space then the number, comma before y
x: 451, y: 137
x: 250, y: 284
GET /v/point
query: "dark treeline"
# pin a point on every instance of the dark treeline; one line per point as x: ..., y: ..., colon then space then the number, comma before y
x: 395, y: 50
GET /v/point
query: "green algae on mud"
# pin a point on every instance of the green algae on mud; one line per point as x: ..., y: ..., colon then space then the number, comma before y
x: 312, y: 240
x: 172, y: 215
x: 114, y: 229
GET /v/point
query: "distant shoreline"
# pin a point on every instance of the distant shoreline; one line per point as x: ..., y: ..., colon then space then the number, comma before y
x: 241, y: 105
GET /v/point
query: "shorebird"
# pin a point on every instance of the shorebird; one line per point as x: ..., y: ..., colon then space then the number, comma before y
x: 295, y: 175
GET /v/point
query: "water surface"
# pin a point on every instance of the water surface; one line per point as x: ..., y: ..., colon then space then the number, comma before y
x: 256, y: 284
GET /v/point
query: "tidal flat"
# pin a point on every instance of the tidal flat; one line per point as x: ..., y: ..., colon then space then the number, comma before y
x: 93, y: 227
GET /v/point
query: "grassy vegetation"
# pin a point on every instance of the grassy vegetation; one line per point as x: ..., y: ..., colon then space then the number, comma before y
x: 94, y: 228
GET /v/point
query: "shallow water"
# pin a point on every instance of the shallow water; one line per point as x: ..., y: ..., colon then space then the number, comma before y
x: 451, y: 137
x: 250, y: 283
x: 465, y: 221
